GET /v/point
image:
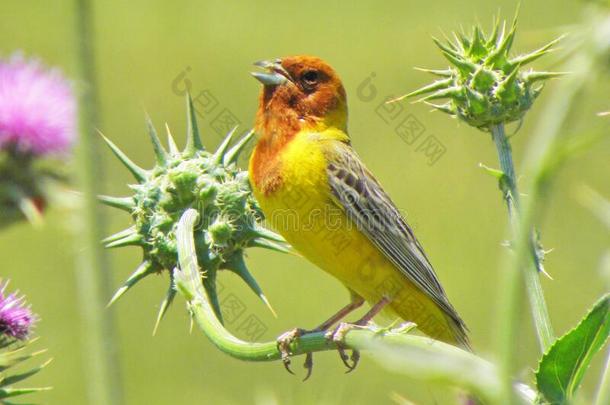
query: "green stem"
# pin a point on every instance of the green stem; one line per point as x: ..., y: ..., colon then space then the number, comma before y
x: 418, y: 356
x: 530, y: 271
x: 540, y: 163
x: 101, y: 361
x: 526, y: 269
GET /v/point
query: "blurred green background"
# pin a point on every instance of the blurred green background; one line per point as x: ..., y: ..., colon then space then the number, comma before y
x: 142, y: 48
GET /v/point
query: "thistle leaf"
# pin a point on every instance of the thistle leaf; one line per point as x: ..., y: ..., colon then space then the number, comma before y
x: 563, y: 366
x: 143, y: 270
x: 140, y: 174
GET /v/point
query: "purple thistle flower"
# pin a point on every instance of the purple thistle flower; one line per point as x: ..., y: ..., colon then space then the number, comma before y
x: 37, y: 107
x: 16, y: 318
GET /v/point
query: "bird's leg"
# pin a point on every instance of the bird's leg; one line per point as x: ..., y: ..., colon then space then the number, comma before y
x: 338, y: 334
x: 342, y: 313
x: 284, y: 341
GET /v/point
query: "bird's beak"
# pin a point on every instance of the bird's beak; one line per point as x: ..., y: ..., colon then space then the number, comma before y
x: 274, y: 74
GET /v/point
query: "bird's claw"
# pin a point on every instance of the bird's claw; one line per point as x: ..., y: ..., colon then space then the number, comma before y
x: 308, y: 364
x: 354, y: 358
x: 337, y: 335
x: 283, y: 344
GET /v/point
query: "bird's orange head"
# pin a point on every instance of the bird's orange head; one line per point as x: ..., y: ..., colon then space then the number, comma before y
x: 300, y: 92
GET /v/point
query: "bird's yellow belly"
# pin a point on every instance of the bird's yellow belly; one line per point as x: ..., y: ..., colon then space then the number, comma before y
x: 302, y: 210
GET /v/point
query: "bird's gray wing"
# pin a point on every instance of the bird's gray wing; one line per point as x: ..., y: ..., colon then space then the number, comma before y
x: 358, y: 193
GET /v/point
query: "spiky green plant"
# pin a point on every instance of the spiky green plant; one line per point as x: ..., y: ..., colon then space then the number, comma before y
x: 485, y: 85
x: 230, y: 218
x: 16, y: 324
x: 13, y: 354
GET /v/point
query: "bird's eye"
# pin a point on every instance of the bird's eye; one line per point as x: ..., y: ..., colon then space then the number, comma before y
x: 310, y: 77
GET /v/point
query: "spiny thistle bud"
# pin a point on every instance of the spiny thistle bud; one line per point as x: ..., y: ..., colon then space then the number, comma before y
x: 16, y: 322
x: 230, y: 218
x: 485, y: 85
x: 16, y: 318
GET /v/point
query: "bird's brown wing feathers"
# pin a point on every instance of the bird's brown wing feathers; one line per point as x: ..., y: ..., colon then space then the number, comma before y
x: 359, y: 194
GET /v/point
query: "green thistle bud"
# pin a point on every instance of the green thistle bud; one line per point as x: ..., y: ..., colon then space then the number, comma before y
x: 221, y: 231
x: 485, y: 85
x: 207, y: 189
x: 193, y: 178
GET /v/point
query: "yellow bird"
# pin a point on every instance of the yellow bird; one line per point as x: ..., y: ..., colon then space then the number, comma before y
x: 316, y: 192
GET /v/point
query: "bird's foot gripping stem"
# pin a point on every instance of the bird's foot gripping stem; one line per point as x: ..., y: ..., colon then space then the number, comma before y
x: 337, y: 335
x: 283, y: 343
x: 286, y: 339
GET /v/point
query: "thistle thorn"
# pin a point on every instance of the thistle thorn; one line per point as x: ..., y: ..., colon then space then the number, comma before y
x: 165, y: 304
x: 143, y: 270
x: 160, y: 153
x: 224, y: 145
x: 120, y: 235
x: 193, y: 141
x: 171, y: 143
x: 130, y: 240
x: 233, y: 153
x: 122, y: 203
x: 140, y: 174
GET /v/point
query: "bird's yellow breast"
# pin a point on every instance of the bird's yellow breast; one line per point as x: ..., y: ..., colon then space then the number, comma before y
x: 303, y: 211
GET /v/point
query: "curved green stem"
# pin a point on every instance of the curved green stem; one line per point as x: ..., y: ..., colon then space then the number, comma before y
x: 417, y: 356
